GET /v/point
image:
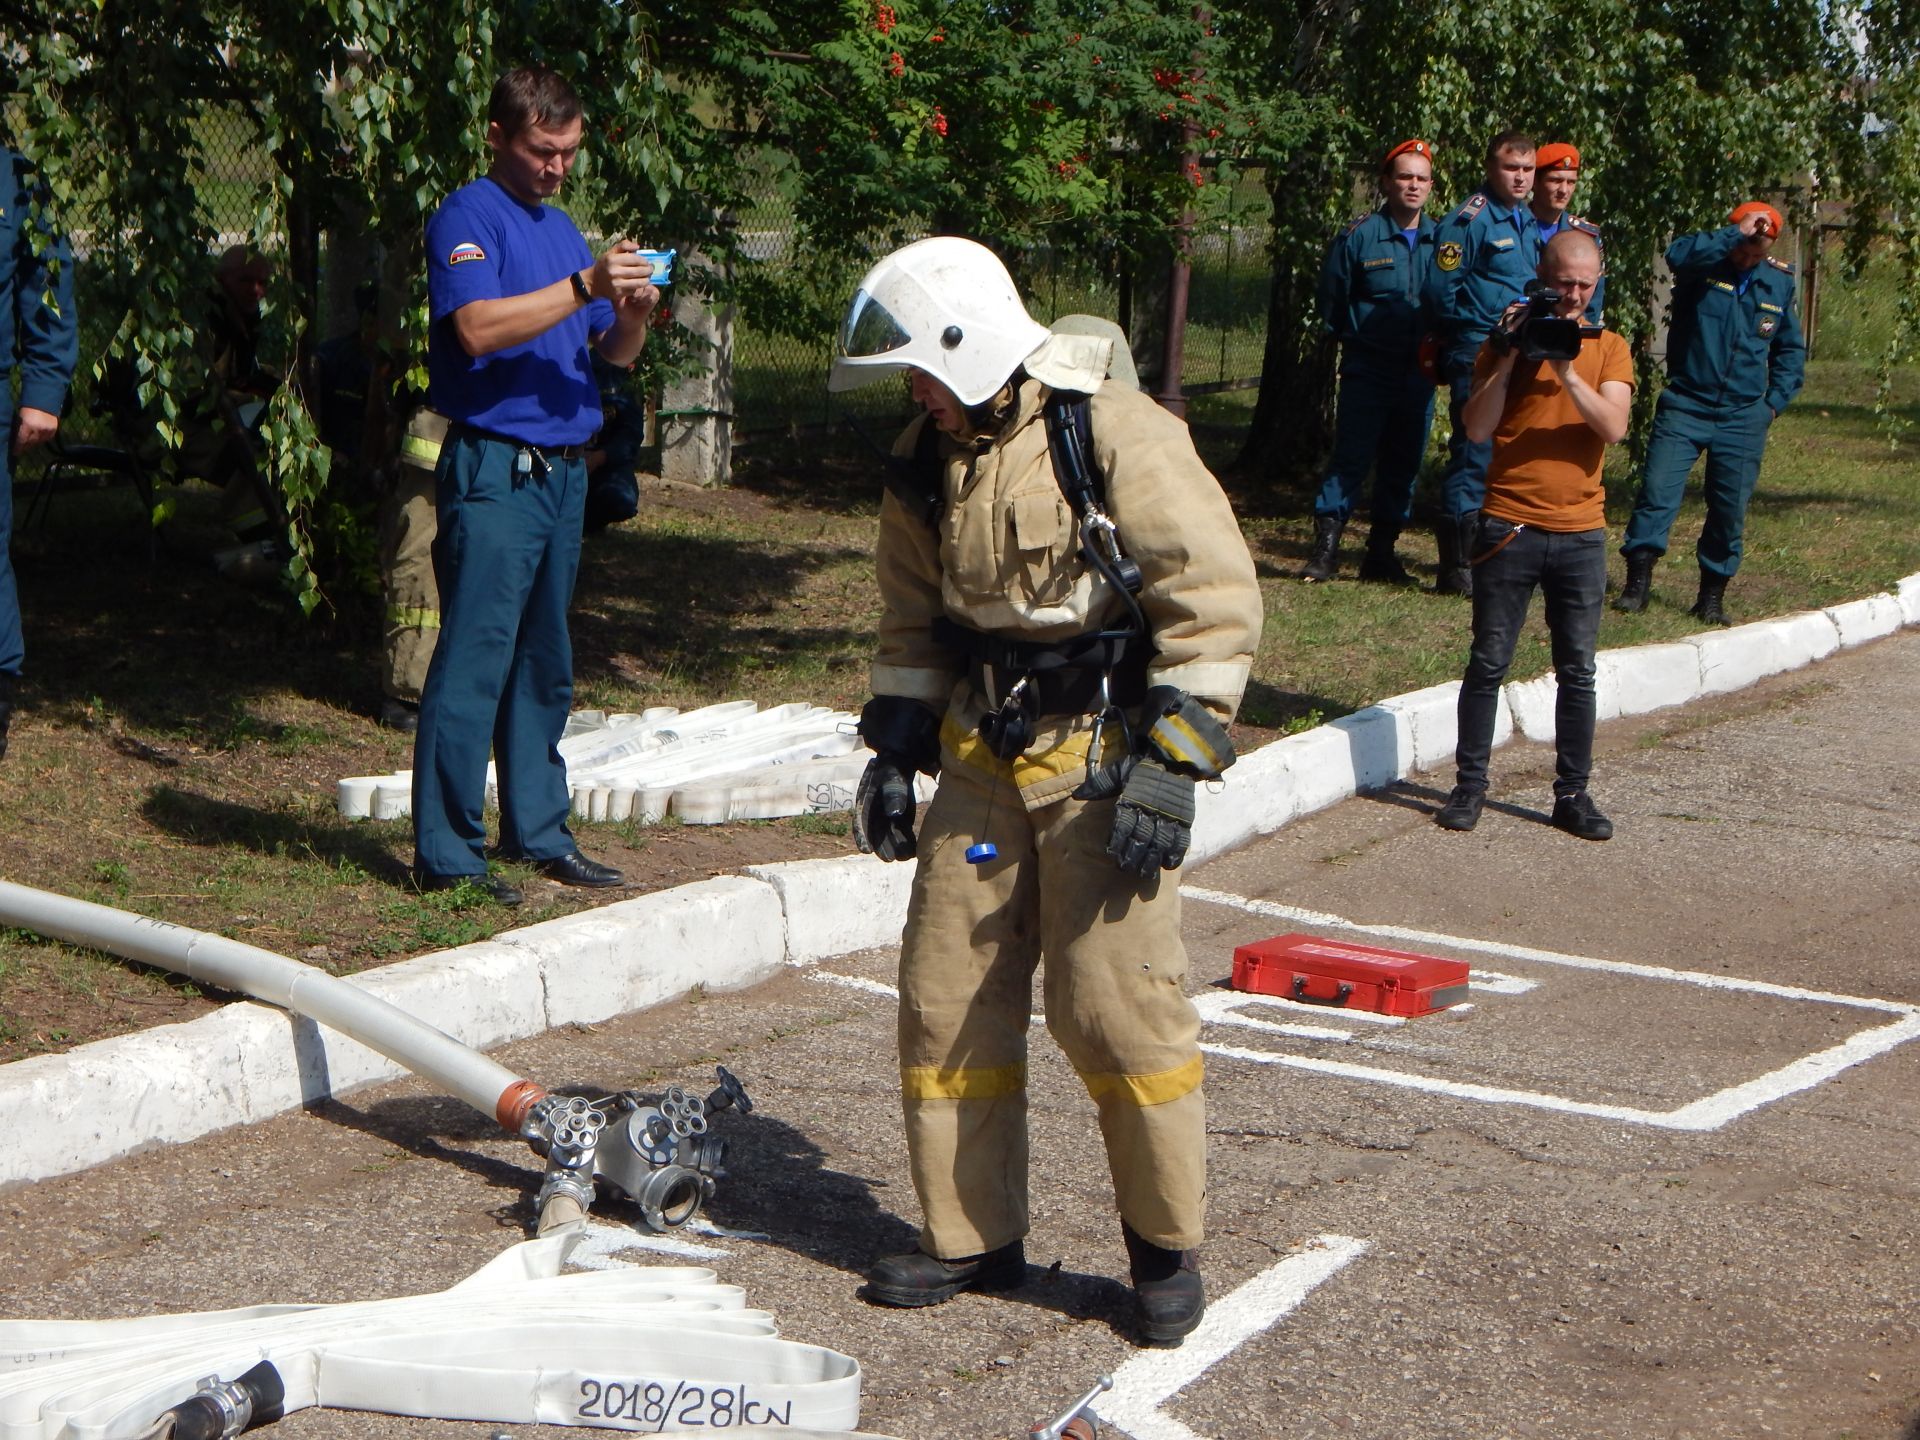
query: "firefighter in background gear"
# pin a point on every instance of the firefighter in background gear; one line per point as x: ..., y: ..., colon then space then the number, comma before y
x: 1370, y: 289
x: 1556, y: 173
x: 1484, y: 254
x: 975, y: 600
x: 407, y: 525
x: 40, y: 339
x: 1735, y: 360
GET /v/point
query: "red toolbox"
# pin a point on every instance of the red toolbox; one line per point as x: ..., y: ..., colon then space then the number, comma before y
x: 1354, y: 977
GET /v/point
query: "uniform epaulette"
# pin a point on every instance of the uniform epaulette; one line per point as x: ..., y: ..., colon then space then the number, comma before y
x: 1585, y: 227
x: 1475, y: 204
x: 1777, y: 263
x: 1357, y: 222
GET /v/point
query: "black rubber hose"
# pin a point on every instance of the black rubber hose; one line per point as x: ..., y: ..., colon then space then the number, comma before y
x: 201, y: 1417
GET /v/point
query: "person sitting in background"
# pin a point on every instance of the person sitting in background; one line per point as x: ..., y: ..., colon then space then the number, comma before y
x: 613, y: 490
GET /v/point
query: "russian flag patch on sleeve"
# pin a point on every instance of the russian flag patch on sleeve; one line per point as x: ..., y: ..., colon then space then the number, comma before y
x: 464, y: 251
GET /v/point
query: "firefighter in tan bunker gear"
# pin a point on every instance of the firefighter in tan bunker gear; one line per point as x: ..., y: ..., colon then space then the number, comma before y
x: 1017, y: 638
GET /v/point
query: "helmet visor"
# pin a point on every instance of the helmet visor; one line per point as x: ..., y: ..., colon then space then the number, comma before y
x: 869, y: 329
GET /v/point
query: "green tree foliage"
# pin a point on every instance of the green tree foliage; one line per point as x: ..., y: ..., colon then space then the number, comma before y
x: 1680, y: 109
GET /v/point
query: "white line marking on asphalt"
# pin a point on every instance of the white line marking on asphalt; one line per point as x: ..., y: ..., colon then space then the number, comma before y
x: 1495, y: 983
x: 1708, y: 1113
x: 854, y: 982
x: 1151, y: 1378
x: 597, y: 1248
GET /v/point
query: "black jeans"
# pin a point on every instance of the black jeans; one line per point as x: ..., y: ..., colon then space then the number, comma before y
x: 1570, y: 570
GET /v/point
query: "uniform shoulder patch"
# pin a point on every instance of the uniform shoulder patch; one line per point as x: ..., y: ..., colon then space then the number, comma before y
x: 1475, y: 204
x: 1447, y: 255
x: 1585, y: 227
x: 466, y: 250
x: 1779, y: 264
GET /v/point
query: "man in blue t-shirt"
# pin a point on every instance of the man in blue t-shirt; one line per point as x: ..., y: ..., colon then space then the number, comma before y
x: 516, y: 297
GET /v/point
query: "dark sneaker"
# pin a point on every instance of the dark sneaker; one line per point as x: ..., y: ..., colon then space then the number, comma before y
x: 1462, y: 810
x: 491, y: 886
x: 916, y: 1278
x: 1169, y: 1297
x: 1578, y: 815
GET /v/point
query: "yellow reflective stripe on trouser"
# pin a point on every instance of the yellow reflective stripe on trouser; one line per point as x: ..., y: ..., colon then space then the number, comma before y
x: 1144, y: 1090
x: 413, y: 617
x: 929, y: 1082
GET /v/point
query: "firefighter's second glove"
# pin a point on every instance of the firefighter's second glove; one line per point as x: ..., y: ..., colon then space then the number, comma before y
x: 883, y: 809
x: 1152, y: 820
x: 905, y: 738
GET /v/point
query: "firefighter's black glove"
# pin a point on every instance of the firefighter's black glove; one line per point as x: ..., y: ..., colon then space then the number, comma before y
x: 1152, y: 820
x: 883, y: 809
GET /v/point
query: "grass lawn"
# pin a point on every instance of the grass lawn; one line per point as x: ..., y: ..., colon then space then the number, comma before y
x: 178, y: 736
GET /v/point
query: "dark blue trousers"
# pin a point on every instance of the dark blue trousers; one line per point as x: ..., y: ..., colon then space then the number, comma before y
x: 1569, y: 569
x: 1381, y: 425
x: 1464, y: 486
x: 505, y: 557
x: 1734, y: 441
x: 13, y: 647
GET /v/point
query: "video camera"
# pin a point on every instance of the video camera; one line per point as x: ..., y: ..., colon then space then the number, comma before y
x: 1539, y: 333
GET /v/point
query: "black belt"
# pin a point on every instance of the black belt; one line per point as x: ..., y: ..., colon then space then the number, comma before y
x: 550, y: 452
x: 1063, y: 678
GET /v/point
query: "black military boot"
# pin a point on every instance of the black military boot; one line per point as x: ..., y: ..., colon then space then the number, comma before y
x: 1324, y: 562
x: 917, y: 1278
x: 6, y: 710
x: 1168, y: 1296
x: 1455, y: 535
x: 1633, y: 596
x: 1707, y: 606
x: 1380, y: 565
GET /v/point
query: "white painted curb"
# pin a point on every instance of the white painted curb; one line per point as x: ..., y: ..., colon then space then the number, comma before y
x: 248, y: 1062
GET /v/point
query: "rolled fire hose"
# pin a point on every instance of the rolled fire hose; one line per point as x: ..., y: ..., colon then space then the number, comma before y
x: 658, y: 1349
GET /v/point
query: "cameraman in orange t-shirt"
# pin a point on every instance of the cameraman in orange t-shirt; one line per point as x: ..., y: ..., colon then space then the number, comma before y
x: 1543, y: 525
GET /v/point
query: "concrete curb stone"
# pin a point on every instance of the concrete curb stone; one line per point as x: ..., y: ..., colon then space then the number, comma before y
x: 248, y: 1061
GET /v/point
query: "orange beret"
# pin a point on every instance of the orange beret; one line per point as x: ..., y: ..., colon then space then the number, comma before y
x: 1557, y: 156
x: 1407, y: 147
x: 1758, y: 207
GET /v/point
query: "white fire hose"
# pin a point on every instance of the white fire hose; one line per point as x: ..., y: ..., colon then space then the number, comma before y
x: 659, y: 1154
x: 654, y: 1350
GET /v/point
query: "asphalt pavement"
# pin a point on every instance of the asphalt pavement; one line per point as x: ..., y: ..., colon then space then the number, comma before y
x: 1655, y: 1178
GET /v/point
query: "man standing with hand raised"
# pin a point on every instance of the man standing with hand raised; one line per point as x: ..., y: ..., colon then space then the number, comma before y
x: 516, y: 297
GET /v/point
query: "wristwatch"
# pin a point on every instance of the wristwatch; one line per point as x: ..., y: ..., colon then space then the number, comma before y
x: 580, y: 288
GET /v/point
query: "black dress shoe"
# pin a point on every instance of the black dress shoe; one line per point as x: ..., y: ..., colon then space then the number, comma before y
x: 917, y: 1278
x: 573, y: 868
x: 1169, y: 1298
x: 491, y: 886
x: 401, y: 715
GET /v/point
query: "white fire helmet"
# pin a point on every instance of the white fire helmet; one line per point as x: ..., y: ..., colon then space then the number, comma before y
x: 946, y: 306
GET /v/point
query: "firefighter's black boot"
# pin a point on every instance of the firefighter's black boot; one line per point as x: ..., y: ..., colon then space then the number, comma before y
x: 1707, y: 606
x: 1633, y: 596
x: 1168, y: 1296
x: 917, y: 1278
x: 1324, y: 562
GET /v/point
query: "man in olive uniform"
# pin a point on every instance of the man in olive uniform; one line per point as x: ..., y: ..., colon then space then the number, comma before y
x: 1070, y: 681
x: 1735, y: 360
x: 40, y: 338
x: 1484, y: 254
x: 1370, y: 289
